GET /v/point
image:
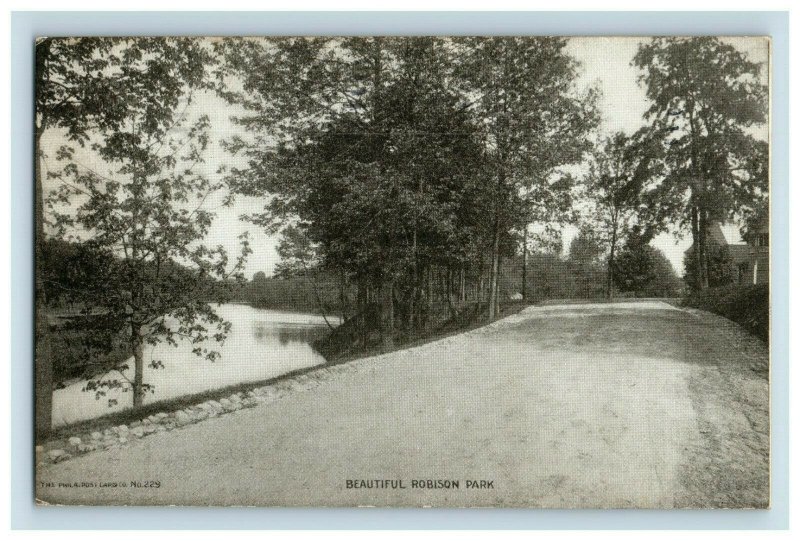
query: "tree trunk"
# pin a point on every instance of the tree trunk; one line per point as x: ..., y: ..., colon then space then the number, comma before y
x: 462, y: 296
x: 430, y: 288
x: 43, y: 366
x: 699, y: 214
x: 387, y: 314
x: 317, y: 297
x: 525, y: 262
x: 450, y: 305
x: 138, y: 365
x: 704, y: 248
x: 494, y: 271
x: 698, y: 281
x: 343, y: 296
x: 361, y: 316
x: 497, y: 287
x: 610, y: 278
x: 412, y: 306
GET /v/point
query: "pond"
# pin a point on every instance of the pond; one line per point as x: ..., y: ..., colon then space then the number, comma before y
x: 262, y: 344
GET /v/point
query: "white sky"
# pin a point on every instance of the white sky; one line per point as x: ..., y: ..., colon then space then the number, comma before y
x: 605, y: 63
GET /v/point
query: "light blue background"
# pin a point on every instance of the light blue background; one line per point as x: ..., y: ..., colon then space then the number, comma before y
x: 25, y: 26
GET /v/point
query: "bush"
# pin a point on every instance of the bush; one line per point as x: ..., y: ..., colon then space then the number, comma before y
x: 746, y: 305
x: 641, y: 270
x: 721, y: 270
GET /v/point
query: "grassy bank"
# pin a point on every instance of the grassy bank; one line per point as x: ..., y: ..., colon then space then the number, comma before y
x: 746, y: 305
x: 449, y: 327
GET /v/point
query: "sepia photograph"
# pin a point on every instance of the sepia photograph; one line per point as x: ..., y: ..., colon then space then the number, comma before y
x: 417, y: 271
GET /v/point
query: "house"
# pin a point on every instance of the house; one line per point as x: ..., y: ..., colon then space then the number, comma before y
x: 751, y: 259
x: 758, y: 244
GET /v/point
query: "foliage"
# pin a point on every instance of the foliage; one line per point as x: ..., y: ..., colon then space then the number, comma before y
x: 644, y: 271
x: 755, y: 219
x: 704, y: 96
x: 585, y: 248
x: 402, y: 160
x: 550, y: 276
x: 400, y: 173
x: 292, y: 293
x: 721, y: 270
x: 375, y: 179
x: 586, y: 266
x: 144, y: 216
x: 86, y: 346
x: 621, y: 190
x: 746, y: 305
x: 94, y: 83
x: 534, y: 123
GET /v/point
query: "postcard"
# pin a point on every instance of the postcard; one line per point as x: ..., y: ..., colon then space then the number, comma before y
x: 472, y: 271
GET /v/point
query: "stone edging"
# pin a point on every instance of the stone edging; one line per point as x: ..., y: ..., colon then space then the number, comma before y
x: 118, y: 436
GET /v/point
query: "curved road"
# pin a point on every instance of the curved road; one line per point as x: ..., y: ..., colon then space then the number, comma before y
x: 594, y: 405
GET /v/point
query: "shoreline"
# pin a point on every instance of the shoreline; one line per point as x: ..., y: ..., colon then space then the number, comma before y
x: 183, y: 401
x: 282, y: 310
x: 128, y: 359
x: 131, y: 415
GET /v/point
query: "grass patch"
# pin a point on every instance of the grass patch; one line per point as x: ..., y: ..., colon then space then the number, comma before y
x: 746, y: 305
x: 168, y: 405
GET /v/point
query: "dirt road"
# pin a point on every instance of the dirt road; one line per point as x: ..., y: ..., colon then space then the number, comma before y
x: 607, y: 405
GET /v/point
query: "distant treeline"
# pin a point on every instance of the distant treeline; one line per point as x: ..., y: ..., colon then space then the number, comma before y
x: 295, y: 293
x: 580, y: 274
x: 86, y: 337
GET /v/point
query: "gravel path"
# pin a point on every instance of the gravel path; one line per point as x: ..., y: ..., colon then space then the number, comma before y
x: 604, y: 405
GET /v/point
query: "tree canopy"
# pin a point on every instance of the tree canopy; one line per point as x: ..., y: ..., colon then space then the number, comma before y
x: 145, y: 215
x: 398, y: 157
x: 705, y: 95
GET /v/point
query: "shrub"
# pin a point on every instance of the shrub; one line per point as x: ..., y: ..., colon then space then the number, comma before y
x: 721, y: 270
x: 641, y: 270
x: 746, y: 305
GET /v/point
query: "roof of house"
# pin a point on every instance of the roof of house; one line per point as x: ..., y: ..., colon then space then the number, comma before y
x: 716, y: 235
x: 739, y: 251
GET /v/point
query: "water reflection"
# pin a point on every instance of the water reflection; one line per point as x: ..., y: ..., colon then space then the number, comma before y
x: 286, y: 334
x: 262, y: 344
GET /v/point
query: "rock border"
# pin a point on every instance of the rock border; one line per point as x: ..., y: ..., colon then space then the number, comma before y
x: 115, y: 437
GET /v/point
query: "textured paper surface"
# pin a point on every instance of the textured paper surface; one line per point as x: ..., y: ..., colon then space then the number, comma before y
x: 557, y: 399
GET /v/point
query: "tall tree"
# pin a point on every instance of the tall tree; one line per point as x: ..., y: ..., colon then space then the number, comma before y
x: 585, y: 249
x: 84, y: 84
x: 522, y: 91
x: 140, y: 205
x: 585, y: 258
x: 63, y: 100
x: 622, y: 191
x: 705, y: 95
x: 374, y: 157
